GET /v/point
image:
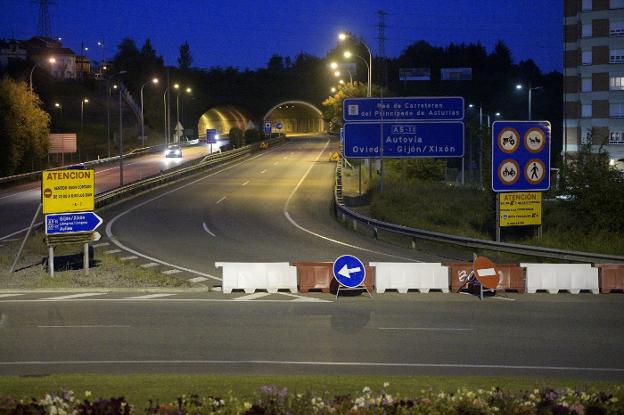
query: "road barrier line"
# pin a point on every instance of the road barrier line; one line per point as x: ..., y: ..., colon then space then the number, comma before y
x: 74, y: 296
x: 128, y: 258
x: 9, y: 295
x: 221, y: 200
x: 246, y: 183
x: 149, y: 265
x: 149, y: 296
x: 112, y: 251
x: 198, y: 279
x: 172, y: 271
x: 252, y: 296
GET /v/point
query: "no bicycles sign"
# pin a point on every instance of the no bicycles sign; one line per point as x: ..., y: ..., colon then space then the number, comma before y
x: 521, y: 156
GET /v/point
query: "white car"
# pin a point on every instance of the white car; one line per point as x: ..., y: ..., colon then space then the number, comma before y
x: 173, y: 151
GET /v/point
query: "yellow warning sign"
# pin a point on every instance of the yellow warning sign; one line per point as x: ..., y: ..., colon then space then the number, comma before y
x: 67, y: 191
x: 335, y: 156
x: 520, y: 208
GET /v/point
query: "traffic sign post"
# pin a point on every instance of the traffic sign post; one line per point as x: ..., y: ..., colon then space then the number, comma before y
x: 520, y: 161
x: 211, y: 137
x: 268, y: 127
x: 350, y: 274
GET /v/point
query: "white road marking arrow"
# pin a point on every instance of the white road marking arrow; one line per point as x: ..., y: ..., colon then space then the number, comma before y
x: 346, y: 271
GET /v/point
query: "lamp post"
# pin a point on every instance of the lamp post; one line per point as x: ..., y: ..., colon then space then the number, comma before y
x: 343, y: 37
x: 52, y: 60
x: 82, y: 102
x: 337, y: 74
x: 520, y: 86
x: 108, y: 95
x: 154, y: 81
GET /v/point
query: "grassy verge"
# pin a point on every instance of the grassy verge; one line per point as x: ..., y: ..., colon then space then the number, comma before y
x: 138, y: 389
x: 105, y: 270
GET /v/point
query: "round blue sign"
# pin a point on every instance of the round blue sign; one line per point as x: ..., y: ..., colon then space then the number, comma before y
x: 349, y: 271
x: 278, y: 125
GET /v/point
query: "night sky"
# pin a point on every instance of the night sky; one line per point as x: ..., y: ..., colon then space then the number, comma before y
x: 246, y: 33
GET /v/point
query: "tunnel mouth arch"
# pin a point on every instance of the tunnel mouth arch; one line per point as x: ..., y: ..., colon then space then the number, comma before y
x: 223, y: 118
x: 296, y: 116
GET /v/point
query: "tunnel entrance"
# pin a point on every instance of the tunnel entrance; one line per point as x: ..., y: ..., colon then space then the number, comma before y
x: 296, y: 117
x: 223, y: 118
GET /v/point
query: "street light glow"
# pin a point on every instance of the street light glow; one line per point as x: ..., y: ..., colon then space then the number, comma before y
x: 333, y: 65
x: 337, y: 73
x: 52, y: 60
x: 155, y: 81
x: 470, y: 105
x: 176, y: 86
x: 86, y: 100
x: 498, y: 114
x: 342, y: 36
x: 519, y: 86
x: 188, y: 90
x: 347, y: 54
x: 341, y: 82
x: 57, y: 105
x: 333, y: 89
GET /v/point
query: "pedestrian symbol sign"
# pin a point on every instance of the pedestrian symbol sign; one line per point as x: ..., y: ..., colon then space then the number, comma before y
x: 520, y: 156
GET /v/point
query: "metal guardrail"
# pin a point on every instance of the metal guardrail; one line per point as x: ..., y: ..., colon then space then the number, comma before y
x: 185, y: 169
x: 559, y: 254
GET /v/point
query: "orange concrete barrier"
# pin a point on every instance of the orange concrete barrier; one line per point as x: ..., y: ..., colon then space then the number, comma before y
x: 511, y: 277
x: 320, y: 276
x: 610, y: 277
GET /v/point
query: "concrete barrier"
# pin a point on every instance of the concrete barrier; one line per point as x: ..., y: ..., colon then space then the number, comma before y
x: 511, y: 276
x: 611, y: 277
x: 252, y: 276
x: 405, y: 276
x: 320, y: 276
x: 555, y: 277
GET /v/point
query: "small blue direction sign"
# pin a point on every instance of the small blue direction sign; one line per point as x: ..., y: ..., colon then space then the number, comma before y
x: 268, y: 127
x: 349, y: 271
x: 404, y: 139
x: 403, y: 109
x: 520, y: 156
x: 211, y: 136
x: 72, y: 222
x: 278, y: 125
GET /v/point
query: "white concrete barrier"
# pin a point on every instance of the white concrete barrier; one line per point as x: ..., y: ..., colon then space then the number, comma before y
x: 405, y: 276
x: 555, y: 277
x: 251, y: 276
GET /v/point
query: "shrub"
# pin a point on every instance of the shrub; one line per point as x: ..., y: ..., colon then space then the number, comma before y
x: 236, y: 137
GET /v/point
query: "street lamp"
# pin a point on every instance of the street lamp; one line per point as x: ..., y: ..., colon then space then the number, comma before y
x: 188, y: 90
x: 333, y: 89
x: 154, y: 81
x: 108, y: 95
x: 51, y: 60
x: 82, y: 102
x: 520, y: 86
x: 337, y: 74
x: 343, y: 37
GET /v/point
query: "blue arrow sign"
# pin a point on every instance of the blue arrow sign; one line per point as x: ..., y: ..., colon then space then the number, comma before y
x: 349, y: 271
x: 404, y: 139
x: 268, y: 127
x: 72, y: 222
x: 403, y: 109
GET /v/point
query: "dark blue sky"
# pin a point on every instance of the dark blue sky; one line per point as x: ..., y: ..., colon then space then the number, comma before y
x: 246, y: 33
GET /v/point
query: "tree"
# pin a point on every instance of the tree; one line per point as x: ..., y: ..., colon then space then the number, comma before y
x: 332, y: 106
x: 276, y: 63
x: 24, y: 128
x: 186, y: 59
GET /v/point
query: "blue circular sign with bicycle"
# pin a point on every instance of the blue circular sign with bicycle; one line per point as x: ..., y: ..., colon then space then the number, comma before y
x: 349, y: 271
x: 278, y: 125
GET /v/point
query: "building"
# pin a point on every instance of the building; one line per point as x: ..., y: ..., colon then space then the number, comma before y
x: 594, y: 76
x: 41, y: 49
x: 11, y: 50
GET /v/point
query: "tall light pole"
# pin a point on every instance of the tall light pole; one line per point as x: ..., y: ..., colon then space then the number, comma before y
x: 343, y: 37
x: 51, y: 60
x: 337, y: 74
x: 520, y: 86
x: 108, y: 95
x: 82, y: 102
x: 154, y: 81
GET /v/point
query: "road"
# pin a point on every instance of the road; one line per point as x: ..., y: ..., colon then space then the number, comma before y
x: 570, y: 336
x: 19, y: 203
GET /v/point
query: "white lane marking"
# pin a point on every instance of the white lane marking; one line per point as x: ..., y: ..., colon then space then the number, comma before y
x: 172, y: 271
x: 109, y: 225
x: 112, y: 251
x: 263, y: 171
x: 276, y: 163
x: 291, y: 220
x: 299, y: 298
x: 149, y: 296
x: 20, y: 231
x: 207, y: 230
x: 424, y: 328
x: 112, y: 326
x: 9, y: 295
x: 252, y: 296
x: 246, y: 183
x: 73, y: 296
x: 502, y: 298
x: 128, y: 258
x: 198, y: 279
x: 310, y: 363
x: 20, y: 192
x: 149, y: 265
x: 221, y: 200
x: 101, y: 245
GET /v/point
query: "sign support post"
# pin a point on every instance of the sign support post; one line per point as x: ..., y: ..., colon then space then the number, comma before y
x: 498, y: 227
x: 19, y: 253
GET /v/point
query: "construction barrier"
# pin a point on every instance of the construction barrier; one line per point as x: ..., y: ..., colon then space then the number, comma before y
x: 320, y: 276
x: 611, y: 277
x: 252, y: 276
x: 511, y: 276
x: 556, y: 277
x: 405, y: 276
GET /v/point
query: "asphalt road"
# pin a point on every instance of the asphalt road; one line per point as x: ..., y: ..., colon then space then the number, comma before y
x: 19, y: 203
x: 571, y: 336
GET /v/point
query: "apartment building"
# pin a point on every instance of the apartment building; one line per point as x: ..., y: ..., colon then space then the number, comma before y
x: 594, y: 76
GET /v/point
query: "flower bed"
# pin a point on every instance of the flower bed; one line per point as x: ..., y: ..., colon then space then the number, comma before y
x: 273, y: 400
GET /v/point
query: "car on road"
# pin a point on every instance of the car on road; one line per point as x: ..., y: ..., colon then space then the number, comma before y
x: 173, y: 150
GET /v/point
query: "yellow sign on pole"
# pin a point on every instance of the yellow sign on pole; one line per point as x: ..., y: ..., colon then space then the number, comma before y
x: 520, y: 208
x: 334, y: 156
x: 67, y: 191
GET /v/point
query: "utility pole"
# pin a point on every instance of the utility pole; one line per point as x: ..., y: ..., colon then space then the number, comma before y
x: 384, y: 75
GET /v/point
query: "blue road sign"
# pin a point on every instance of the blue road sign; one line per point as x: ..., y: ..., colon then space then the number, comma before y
x: 278, y: 125
x: 72, y: 222
x: 211, y: 136
x: 520, y: 156
x: 349, y: 271
x: 404, y: 139
x: 268, y: 127
x: 403, y: 109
